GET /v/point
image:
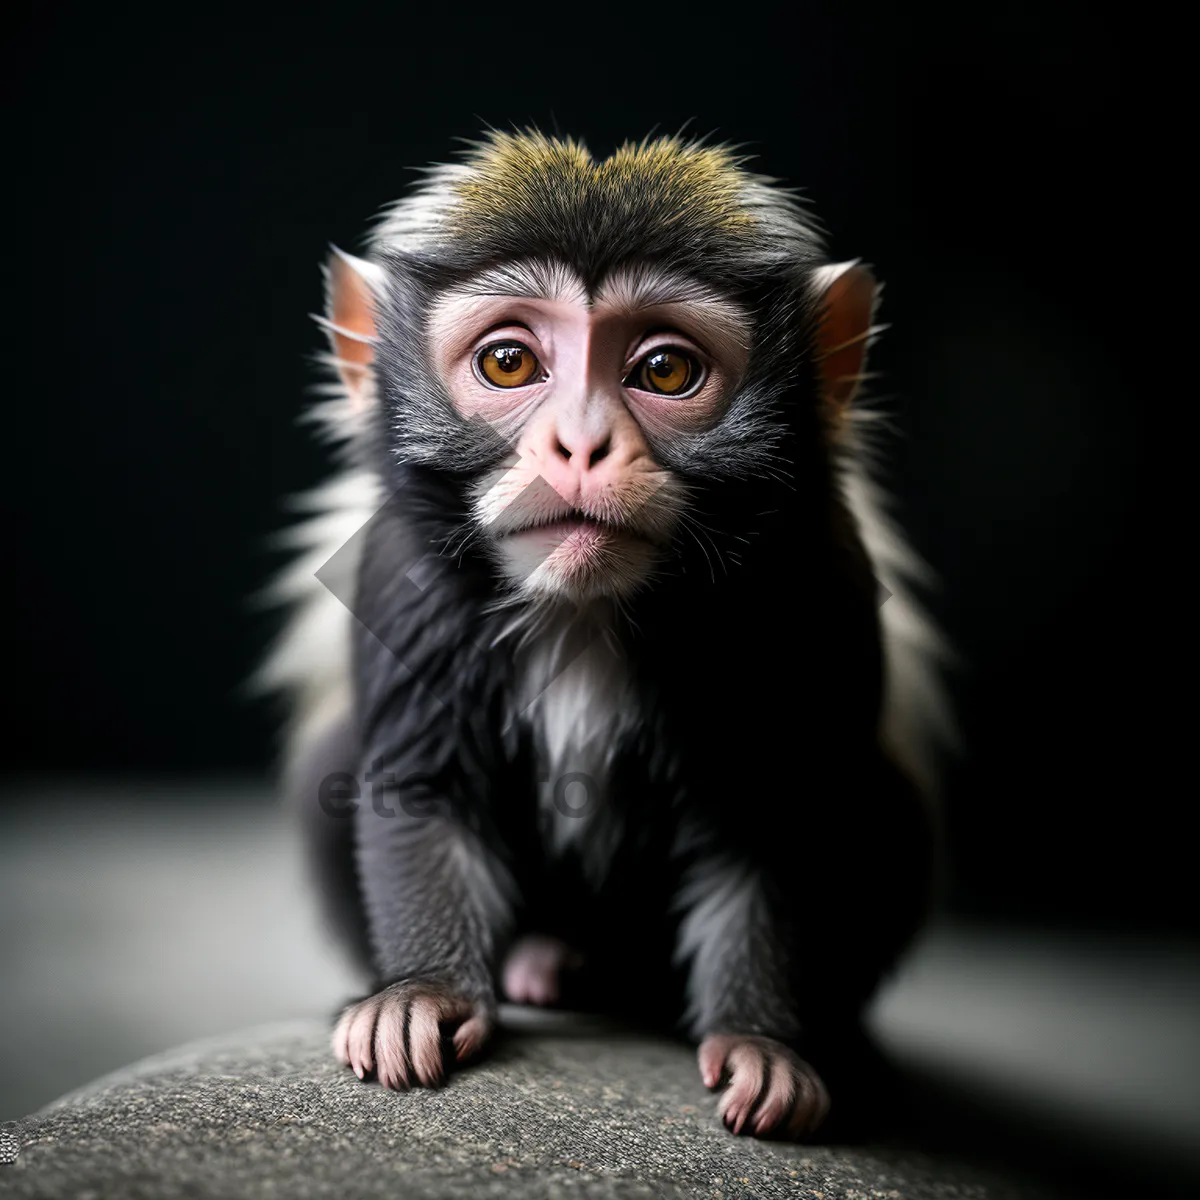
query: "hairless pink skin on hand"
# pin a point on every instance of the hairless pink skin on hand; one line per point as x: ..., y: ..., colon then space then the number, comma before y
x: 769, y: 1090
x: 370, y: 1036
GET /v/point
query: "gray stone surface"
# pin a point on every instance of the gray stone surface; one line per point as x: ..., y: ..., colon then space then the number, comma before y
x: 556, y: 1111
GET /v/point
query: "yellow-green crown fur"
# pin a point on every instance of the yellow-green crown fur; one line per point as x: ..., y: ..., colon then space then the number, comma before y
x: 666, y: 198
x: 691, y: 183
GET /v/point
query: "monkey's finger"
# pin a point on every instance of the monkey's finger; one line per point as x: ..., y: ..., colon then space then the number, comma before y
x: 391, y: 1057
x: 470, y: 1036
x: 340, y: 1038
x: 748, y: 1071
x: 812, y: 1102
x: 361, y: 1036
x: 712, y: 1055
x: 778, y: 1097
x: 425, y: 1041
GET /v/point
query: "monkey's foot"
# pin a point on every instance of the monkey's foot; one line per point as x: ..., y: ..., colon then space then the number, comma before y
x: 769, y: 1090
x: 397, y: 1033
x: 533, y: 969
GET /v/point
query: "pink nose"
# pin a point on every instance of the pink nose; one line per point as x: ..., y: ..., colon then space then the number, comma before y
x: 575, y: 459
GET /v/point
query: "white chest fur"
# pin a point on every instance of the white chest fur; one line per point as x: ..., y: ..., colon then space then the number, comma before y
x: 576, y: 697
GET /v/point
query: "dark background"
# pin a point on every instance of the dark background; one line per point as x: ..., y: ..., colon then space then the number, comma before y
x: 187, y: 174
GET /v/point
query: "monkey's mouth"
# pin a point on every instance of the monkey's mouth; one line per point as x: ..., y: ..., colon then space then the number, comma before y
x: 575, y: 524
x: 566, y: 552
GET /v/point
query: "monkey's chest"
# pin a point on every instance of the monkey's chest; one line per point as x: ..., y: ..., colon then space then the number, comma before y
x: 577, y: 709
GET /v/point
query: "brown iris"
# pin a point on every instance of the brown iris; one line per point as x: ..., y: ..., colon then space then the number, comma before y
x: 667, y: 372
x: 508, y: 365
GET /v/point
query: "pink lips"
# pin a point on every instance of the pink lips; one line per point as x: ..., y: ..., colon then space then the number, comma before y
x: 578, y: 530
x: 574, y: 547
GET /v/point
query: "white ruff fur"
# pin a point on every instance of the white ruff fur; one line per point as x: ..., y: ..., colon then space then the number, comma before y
x: 310, y: 661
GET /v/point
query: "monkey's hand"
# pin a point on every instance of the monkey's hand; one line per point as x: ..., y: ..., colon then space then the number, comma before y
x: 769, y: 1090
x: 397, y: 1033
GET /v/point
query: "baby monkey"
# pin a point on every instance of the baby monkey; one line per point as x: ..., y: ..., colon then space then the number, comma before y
x: 607, y: 687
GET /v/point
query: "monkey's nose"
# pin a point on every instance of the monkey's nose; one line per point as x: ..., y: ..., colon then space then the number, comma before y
x: 572, y: 456
x: 572, y: 462
x: 583, y: 452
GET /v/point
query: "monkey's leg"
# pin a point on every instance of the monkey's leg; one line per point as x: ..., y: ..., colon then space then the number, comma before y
x: 533, y: 969
x: 437, y: 905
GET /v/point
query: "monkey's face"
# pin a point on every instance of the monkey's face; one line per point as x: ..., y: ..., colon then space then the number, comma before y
x: 582, y: 383
x: 593, y: 354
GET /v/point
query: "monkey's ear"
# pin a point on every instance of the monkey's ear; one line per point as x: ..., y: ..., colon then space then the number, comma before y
x: 352, y: 286
x: 847, y: 294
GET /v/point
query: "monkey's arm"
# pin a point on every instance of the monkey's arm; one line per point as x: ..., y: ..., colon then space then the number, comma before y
x: 741, y: 1005
x: 434, y: 888
x: 786, y: 949
x: 435, y: 908
x: 434, y: 895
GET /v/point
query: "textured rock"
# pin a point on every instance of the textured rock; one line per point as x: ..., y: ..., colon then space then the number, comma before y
x: 569, y: 1111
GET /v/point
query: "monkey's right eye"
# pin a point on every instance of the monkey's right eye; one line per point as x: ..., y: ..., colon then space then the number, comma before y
x: 506, y: 365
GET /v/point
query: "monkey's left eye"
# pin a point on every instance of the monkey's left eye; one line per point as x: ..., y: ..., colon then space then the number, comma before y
x: 667, y: 372
x: 506, y: 365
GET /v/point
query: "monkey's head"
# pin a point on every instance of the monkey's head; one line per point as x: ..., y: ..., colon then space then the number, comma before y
x: 589, y: 349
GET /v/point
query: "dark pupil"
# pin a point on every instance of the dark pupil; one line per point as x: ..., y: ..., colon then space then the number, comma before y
x: 509, y: 358
x: 662, y: 366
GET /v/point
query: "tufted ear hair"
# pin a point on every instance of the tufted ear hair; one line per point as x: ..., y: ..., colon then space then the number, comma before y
x: 847, y: 295
x: 352, y: 287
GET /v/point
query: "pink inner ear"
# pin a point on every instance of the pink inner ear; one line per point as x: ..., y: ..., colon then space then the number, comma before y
x: 351, y: 311
x: 843, y: 332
